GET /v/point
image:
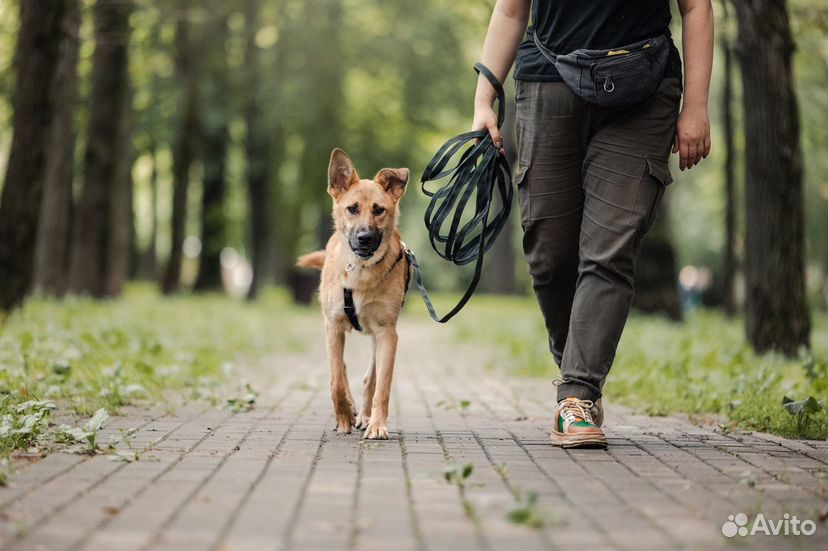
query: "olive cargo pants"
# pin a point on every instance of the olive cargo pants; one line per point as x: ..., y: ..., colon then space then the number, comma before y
x: 589, y: 180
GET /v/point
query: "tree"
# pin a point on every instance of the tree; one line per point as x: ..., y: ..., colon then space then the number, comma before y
x: 776, y: 311
x: 214, y: 138
x: 44, y: 30
x: 52, y: 244
x: 322, y: 128
x: 729, y: 261
x: 185, y: 151
x: 120, y: 234
x: 256, y: 150
x: 101, y: 236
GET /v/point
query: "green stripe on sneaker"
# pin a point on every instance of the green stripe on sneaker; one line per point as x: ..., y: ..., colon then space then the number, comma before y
x: 582, y: 424
x: 575, y: 424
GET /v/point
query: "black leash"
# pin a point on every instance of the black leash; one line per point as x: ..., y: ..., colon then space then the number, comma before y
x: 480, y: 172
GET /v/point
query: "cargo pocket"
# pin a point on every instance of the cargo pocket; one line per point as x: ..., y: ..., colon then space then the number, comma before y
x: 660, y: 176
x: 523, y: 194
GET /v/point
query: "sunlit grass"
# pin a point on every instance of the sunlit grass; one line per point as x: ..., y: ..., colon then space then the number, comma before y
x: 702, y: 366
x: 141, y: 349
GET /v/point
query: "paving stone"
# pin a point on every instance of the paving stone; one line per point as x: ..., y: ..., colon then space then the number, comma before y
x: 280, y: 477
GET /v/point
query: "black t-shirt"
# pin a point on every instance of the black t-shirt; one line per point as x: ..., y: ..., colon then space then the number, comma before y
x: 567, y: 25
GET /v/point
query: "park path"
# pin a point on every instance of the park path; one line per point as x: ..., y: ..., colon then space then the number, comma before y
x: 279, y: 477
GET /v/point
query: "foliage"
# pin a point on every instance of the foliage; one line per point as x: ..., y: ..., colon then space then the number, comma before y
x: 86, y: 436
x: 698, y: 194
x: 527, y: 512
x: 22, y: 424
x: 700, y: 367
x: 458, y: 475
x: 803, y: 410
x: 80, y: 356
x: 244, y: 402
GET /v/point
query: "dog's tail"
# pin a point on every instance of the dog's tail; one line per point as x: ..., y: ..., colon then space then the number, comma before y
x: 315, y: 259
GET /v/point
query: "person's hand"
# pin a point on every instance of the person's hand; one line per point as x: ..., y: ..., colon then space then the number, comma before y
x: 692, y: 141
x: 485, y: 118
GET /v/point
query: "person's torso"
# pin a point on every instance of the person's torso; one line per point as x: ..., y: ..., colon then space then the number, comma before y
x: 567, y: 25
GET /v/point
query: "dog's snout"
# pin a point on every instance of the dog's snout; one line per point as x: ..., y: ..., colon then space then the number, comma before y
x: 364, y: 241
x: 364, y: 237
x: 367, y: 237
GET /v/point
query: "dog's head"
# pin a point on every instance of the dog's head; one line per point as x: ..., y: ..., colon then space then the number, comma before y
x: 365, y: 211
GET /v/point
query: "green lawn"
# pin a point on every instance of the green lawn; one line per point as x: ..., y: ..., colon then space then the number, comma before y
x: 702, y: 366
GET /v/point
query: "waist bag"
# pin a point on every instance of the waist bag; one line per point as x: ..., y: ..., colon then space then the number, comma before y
x: 611, y: 78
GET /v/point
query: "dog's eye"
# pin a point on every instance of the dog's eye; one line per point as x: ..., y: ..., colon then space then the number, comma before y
x: 378, y: 210
x: 353, y: 209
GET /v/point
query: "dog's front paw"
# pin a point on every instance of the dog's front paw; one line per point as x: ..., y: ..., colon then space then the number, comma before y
x: 376, y: 431
x: 344, y: 422
x: 363, y: 420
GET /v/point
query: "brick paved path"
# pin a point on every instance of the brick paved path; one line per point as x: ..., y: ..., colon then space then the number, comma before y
x: 279, y: 477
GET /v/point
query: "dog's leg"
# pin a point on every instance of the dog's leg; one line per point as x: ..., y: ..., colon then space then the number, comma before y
x: 343, y: 406
x: 386, y: 354
x: 369, y: 382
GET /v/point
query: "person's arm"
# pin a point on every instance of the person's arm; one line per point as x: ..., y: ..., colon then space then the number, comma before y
x: 506, y: 29
x: 692, y: 141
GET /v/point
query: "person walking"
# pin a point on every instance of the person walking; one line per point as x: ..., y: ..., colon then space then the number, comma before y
x: 593, y: 163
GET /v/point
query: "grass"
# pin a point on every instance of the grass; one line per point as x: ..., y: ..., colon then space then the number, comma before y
x: 702, y: 366
x: 78, y: 356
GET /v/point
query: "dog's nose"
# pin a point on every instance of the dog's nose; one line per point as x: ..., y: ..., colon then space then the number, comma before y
x: 365, y: 237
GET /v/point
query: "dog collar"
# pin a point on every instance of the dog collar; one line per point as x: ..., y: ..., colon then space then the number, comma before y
x: 351, y: 265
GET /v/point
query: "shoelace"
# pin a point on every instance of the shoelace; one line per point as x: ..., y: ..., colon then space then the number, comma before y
x: 571, y: 410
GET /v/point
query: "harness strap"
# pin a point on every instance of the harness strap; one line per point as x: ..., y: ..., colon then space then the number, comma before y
x: 348, y: 294
x: 350, y: 308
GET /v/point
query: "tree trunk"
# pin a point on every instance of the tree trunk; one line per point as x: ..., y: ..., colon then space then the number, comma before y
x: 120, y: 209
x: 98, y: 230
x: 729, y: 261
x: 655, y: 271
x: 256, y: 149
x: 52, y: 246
x: 777, y: 315
x: 185, y: 149
x: 214, y: 144
x: 45, y: 27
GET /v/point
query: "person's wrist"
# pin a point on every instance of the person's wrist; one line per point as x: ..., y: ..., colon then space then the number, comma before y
x: 694, y: 106
x: 483, y: 103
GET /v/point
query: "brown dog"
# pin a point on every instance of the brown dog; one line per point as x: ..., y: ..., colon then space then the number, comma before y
x: 366, y: 256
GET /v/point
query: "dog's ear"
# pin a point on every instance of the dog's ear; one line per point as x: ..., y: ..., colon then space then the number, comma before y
x: 341, y: 173
x: 393, y: 181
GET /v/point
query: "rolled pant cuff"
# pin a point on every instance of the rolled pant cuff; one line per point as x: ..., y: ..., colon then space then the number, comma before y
x: 577, y: 390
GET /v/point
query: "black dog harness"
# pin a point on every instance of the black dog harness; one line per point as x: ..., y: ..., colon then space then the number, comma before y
x: 348, y: 294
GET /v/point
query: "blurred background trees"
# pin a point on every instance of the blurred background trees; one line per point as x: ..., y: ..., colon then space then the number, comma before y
x: 186, y: 142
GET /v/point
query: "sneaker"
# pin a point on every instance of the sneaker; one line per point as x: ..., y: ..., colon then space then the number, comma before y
x: 573, y: 426
x: 597, y: 411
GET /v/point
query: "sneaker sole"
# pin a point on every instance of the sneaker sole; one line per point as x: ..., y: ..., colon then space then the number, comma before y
x: 578, y: 441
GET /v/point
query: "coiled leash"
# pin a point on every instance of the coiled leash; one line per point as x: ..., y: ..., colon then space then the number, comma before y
x: 480, y: 172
